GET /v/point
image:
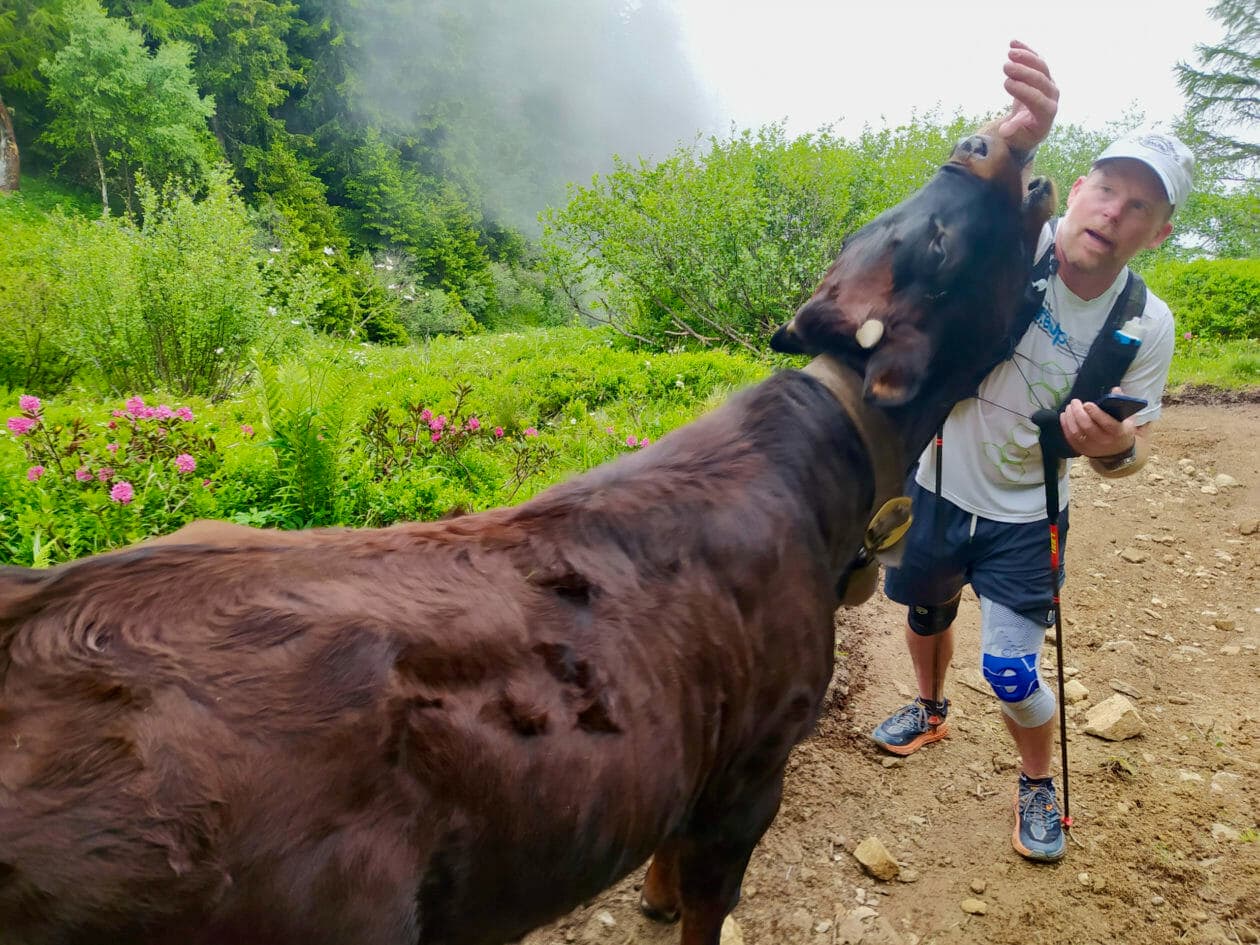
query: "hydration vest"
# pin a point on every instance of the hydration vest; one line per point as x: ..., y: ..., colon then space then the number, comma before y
x: 1108, y: 357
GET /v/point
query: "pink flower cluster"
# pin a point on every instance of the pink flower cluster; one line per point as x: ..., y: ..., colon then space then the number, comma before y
x: 30, y: 419
x: 136, y: 409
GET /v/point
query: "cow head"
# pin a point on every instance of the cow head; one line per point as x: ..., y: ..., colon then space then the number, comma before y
x: 920, y: 299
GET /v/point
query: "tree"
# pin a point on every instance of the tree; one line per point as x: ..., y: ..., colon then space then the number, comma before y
x: 9, y: 162
x: 30, y: 31
x: 241, y: 58
x: 136, y: 111
x: 1223, y: 92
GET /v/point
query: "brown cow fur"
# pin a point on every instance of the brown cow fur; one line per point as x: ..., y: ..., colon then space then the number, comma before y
x: 443, y: 733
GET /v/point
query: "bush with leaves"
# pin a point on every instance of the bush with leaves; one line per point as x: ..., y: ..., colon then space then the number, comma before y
x: 134, y: 471
x: 1211, y: 298
x: 719, y: 246
x: 176, y: 302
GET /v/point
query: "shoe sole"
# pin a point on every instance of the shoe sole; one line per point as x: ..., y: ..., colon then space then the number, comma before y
x: 1035, y: 855
x: 931, y: 735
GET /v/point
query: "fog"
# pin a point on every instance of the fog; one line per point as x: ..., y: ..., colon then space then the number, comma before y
x: 517, y: 98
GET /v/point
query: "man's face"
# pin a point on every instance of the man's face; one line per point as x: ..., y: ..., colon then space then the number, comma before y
x: 1115, y: 212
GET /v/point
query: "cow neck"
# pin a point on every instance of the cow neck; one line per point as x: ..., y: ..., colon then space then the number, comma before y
x: 882, y: 441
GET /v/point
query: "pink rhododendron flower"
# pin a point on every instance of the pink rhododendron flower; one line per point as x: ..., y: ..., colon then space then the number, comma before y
x: 122, y: 492
x: 529, y: 431
x: 644, y: 442
x: 112, y: 447
x: 247, y: 429
x: 185, y: 463
x: 474, y: 424
x: 105, y: 473
x: 83, y: 474
x: 164, y: 412
x: 34, y: 473
x: 609, y: 430
x: 118, y: 413
x: 631, y: 441
x: 29, y: 403
x: 184, y: 414
x: 498, y: 431
x: 1188, y: 335
x: 436, y: 436
x: 135, y: 405
x: 113, y: 424
x: 19, y: 426
x: 426, y: 414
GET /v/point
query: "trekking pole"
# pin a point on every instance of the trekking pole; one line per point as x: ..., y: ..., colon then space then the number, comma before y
x: 1049, y: 420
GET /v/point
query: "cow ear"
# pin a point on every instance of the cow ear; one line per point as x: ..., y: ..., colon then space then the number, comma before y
x: 896, y: 372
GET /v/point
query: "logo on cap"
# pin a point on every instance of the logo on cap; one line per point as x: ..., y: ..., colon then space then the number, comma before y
x: 1159, y: 143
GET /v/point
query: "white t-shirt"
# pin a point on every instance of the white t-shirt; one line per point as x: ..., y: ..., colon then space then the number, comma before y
x: 992, y: 460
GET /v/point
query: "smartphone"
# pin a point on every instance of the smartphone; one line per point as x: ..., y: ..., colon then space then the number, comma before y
x: 1121, y: 406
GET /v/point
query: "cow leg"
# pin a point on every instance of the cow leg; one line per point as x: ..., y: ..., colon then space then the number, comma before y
x: 660, y: 900
x: 711, y: 865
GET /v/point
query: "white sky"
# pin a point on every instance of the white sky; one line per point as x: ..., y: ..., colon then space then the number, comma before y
x: 847, y: 63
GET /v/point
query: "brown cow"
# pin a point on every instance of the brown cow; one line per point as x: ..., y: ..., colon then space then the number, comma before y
x: 450, y: 733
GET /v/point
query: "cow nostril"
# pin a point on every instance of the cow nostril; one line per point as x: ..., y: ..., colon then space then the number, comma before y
x: 976, y: 146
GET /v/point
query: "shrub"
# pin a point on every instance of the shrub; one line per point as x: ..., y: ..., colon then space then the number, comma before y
x: 1216, y: 299
x: 706, y: 248
x: 34, y: 353
x: 175, y: 303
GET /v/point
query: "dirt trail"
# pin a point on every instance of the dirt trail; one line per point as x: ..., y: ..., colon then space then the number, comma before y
x: 1163, y: 600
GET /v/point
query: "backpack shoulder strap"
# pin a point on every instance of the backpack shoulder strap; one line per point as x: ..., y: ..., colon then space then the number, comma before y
x: 1106, y: 362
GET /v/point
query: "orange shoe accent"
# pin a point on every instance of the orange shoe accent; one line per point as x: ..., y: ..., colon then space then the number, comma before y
x: 938, y: 731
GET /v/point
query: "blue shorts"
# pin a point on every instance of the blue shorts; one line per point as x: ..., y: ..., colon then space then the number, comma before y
x: 1004, y: 562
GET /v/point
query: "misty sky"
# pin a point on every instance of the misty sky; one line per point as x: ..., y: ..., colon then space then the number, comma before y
x: 522, y: 97
x: 814, y: 62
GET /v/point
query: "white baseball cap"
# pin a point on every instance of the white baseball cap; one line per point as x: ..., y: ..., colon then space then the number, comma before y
x: 1171, y: 160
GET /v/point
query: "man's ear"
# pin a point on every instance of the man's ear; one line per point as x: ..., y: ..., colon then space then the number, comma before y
x: 1080, y: 182
x: 1164, y: 232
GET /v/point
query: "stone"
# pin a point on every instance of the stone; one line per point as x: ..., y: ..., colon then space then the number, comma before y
x: 1230, y: 650
x: 876, y: 859
x: 1114, y: 719
x: 1225, y: 832
x: 1223, y: 623
x: 1225, y: 782
x: 978, y: 886
x: 1120, y: 686
x: 732, y: 934
x: 974, y: 907
x: 1249, y: 527
x: 1133, y: 555
x: 1209, y: 489
x: 605, y: 918
x: 1120, y: 646
x: 1075, y: 691
x: 1224, y: 481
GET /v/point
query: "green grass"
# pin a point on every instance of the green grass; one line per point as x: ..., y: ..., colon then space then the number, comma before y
x: 1229, y: 365
x: 39, y: 196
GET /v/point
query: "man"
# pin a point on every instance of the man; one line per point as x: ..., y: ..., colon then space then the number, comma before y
x: 992, y: 504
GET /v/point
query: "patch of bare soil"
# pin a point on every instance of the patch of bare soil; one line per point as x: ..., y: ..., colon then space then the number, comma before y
x: 1162, y: 602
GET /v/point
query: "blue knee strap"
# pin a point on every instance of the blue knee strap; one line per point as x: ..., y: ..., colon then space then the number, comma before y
x: 1013, y: 678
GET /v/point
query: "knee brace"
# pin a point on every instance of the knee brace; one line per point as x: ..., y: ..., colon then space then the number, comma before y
x: 1010, y: 651
x: 929, y: 621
